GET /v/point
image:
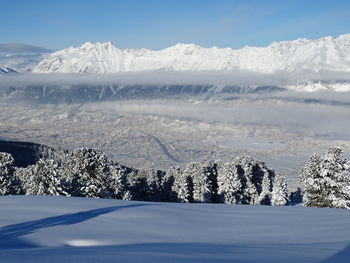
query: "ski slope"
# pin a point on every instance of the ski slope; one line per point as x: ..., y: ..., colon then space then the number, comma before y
x: 65, y: 229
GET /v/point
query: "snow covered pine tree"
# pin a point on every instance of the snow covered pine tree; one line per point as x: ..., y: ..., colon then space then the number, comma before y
x: 280, y: 191
x: 266, y: 188
x: 8, y: 183
x: 118, y: 182
x: 245, y: 181
x: 181, y: 190
x: 42, y: 178
x: 326, y: 180
x: 87, y: 171
x: 202, y: 175
x: 229, y: 183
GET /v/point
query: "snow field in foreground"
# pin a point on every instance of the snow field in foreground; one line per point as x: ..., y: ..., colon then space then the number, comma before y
x: 66, y: 229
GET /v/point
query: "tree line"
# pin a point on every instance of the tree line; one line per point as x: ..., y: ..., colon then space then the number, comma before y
x: 245, y: 180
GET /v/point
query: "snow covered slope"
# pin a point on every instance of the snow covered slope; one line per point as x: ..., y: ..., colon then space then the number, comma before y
x: 20, y: 63
x: 61, y: 229
x: 330, y: 54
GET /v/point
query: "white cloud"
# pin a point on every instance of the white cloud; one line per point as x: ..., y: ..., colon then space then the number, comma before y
x: 219, y: 78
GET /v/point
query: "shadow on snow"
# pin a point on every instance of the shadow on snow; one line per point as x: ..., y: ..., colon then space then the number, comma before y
x: 9, y: 235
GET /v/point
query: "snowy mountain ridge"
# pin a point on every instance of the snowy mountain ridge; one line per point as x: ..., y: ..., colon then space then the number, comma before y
x: 328, y: 54
x: 5, y: 70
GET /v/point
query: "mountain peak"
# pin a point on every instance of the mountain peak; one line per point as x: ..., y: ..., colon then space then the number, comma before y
x: 185, y: 46
x: 344, y: 36
x: 87, y: 45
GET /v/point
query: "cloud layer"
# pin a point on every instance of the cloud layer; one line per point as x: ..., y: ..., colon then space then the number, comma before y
x: 22, y: 48
x: 220, y: 78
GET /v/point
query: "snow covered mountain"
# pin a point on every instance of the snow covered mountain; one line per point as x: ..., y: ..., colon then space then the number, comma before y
x: 5, y: 70
x: 20, y: 63
x: 330, y: 54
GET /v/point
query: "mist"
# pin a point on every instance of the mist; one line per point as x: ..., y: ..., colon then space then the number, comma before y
x: 121, y: 113
x: 219, y: 78
x: 326, y: 116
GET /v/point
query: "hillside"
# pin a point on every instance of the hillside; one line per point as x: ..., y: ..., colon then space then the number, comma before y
x: 24, y: 153
x: 63, y: 229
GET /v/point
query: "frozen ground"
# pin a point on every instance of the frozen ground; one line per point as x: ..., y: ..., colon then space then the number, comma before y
x: 65, y: 229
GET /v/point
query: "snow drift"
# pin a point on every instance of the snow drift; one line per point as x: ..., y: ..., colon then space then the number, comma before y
x: 61, y: 229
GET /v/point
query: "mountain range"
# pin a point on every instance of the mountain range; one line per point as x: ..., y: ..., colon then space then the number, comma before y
x: 324, y: 54
x: 301, y: 55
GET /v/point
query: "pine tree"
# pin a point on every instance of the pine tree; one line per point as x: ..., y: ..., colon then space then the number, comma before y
x: 341, y: 198
x: 251, y: 181
x: 181, y: 188
x: 148, y: 185
x: 229, y: 183
x: 335, y: 173
x: 167, y: 194
x: 142, y: 185
x: 266, y: 189
x: 87, y: 171
x: 245, y: 181
x: 127, y: 195
x: 118, y: 182
x: 9, y: 184
x: 280, y: 191
x: 154, y: 179
x: 296, y: 197
x: 326, y: 180
x: 137, y: 185
x: 42, y: 178
x: 203, y: 185
x: 311, y: 180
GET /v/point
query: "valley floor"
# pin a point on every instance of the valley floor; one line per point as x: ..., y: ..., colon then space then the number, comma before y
x: 66, y: 229
x: 161, y: 133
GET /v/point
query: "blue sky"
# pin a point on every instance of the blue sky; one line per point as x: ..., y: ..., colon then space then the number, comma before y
x: 157, y: 24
